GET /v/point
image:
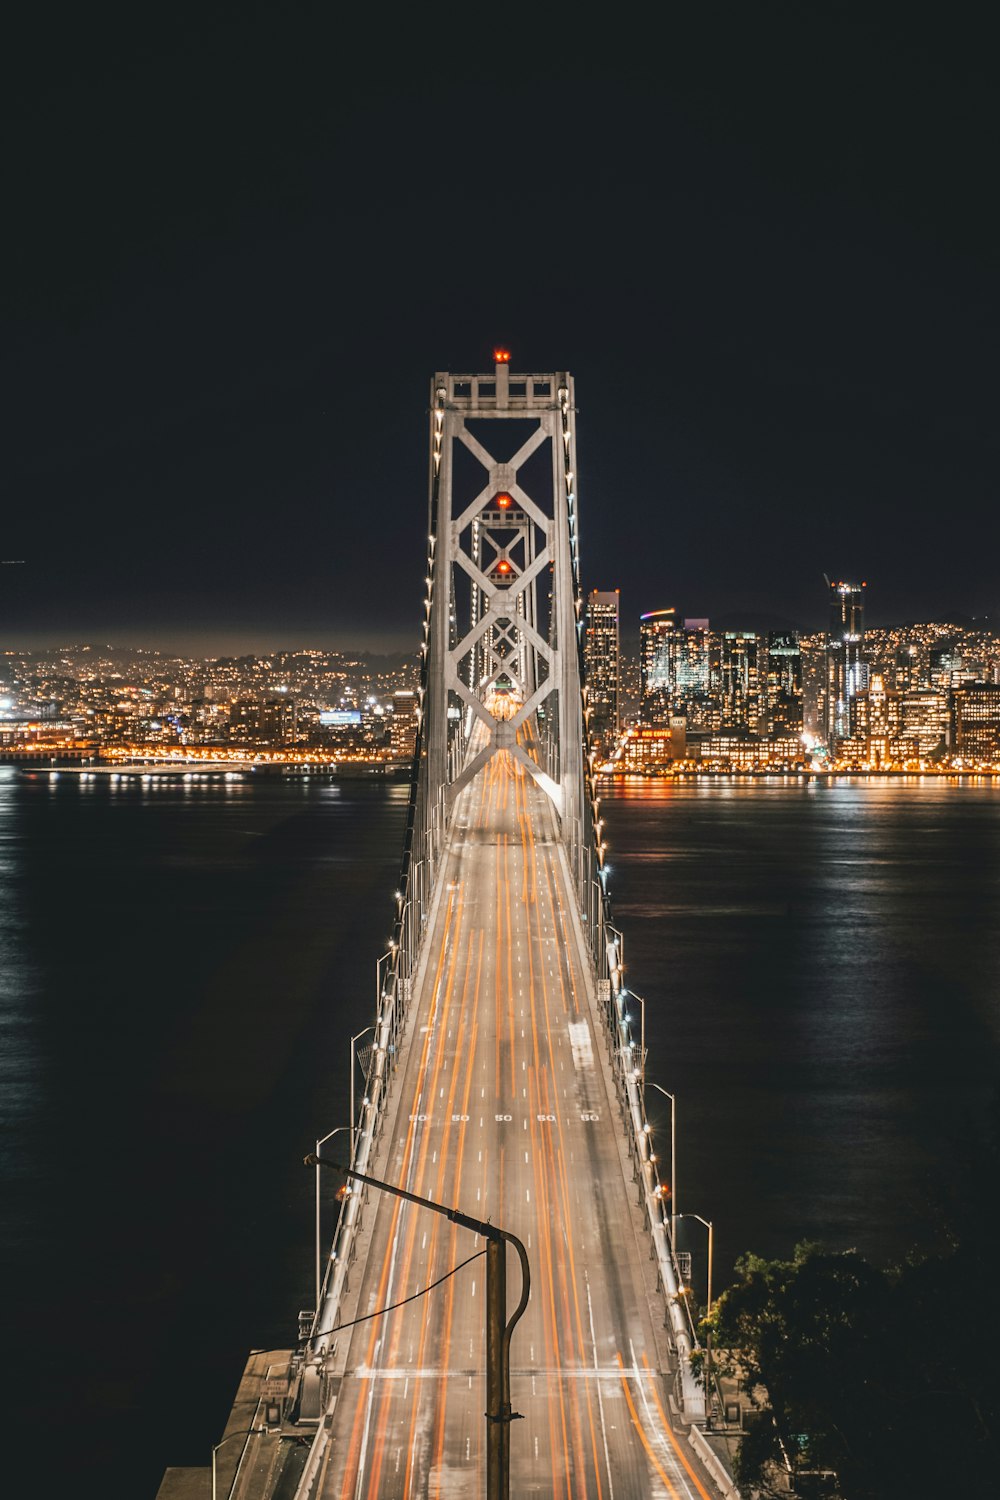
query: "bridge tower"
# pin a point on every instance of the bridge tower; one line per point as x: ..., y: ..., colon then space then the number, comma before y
x: 501, y: 670
x: 503, y: 624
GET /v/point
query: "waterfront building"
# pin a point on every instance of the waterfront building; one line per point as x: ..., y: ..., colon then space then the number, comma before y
x: 647, y: 750
x: 977, y: 721
x: 845, y: 659
x: 877, y: 721
x: 602, y: 660
x: 739, y: 751
x: 264, y: 721
x: 925, y: 721
x: 403, y: 724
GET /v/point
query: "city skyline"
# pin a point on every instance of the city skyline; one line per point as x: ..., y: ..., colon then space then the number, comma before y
x: 695, y: 695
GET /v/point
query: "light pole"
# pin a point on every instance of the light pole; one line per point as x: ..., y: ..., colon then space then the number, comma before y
x: 673, y: 1156
x: 597, y: 929
x: 378, y: 981
x: 319, y: 1280
x: 354, y: 1063
x: 244, y: 1432
x: 626, y: 993
x: 498, y: 1328
x: 708, y: 1334
x: 404, y: 946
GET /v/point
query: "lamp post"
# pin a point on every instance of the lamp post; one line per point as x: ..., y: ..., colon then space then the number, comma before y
x: 673, y: 1156
x: 378, y: 981
x: 244, y: 1432
x: 354, y: 1063
x: 404, y: 946
x: 498, y: 1328
x: 617, y: 943
x: 708, y: 1335
x: 642, y: 1046
x: 319, y: 1280
x: 597, y: 930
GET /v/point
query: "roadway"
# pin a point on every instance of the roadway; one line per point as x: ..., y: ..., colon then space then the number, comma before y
x: 503, y: 1111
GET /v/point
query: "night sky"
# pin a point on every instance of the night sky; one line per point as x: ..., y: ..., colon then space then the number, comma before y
x: 239, y: 240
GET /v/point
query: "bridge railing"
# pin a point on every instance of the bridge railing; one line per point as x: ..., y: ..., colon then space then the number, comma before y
x: 423, y: 843
x: 628, y: 1069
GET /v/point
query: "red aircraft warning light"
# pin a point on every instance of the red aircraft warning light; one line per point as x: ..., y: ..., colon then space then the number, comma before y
x: 504, y: 500
x: 501, y: 356
x: 503, y: 566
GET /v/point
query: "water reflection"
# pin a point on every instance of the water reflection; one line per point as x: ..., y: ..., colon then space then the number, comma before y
x: 820, y: 958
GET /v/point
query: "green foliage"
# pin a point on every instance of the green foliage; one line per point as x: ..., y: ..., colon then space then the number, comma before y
x: 884, y: 1376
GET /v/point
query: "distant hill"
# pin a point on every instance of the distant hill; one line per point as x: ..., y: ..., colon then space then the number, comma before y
x: 955, y: 617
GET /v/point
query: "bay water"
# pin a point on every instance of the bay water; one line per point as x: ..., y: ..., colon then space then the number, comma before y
x: 182, y: 964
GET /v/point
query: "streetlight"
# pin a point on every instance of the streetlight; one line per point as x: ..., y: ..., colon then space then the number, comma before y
x: 498, y: 1327
x: 642, y: 1040
x: 404, y: 946
x: 320, y: 1142
x: 673, y: 1156
x: 244, y: 1432
x: 354, y: 1063
x: 708, y: 1334
x: 378, y: 980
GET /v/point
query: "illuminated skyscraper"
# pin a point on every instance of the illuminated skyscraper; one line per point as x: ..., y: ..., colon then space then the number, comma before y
x: 268, y: 721
x: 845, y: 662
x: 690, y: 671
x: 403, y: 724
x: 908, y: 671
x: 977, y: 714
x: 877, y: 720
x: 784, y: 683
x: 740, y: 681
x: 656, y: 633
x: 945, y: 666
x: 926, y: 720
x: 602, y: 658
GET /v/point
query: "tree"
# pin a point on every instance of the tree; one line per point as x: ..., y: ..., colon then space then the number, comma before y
x: 883, y: 1376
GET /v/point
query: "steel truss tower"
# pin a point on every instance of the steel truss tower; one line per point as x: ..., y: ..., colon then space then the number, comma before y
x: 504, y: 611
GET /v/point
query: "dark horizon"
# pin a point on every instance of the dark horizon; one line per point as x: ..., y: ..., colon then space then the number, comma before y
x: 255, y: 641
x: 240, y: 249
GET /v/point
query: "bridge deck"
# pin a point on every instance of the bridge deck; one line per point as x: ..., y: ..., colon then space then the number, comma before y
x: 502, y: 1110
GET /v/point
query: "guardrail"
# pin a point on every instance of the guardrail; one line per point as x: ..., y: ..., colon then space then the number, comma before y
x: 606, y: 949
x: 626, y: 1070
x: 423, y: 842
x: 310, y: 1395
